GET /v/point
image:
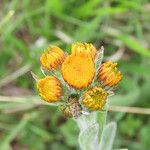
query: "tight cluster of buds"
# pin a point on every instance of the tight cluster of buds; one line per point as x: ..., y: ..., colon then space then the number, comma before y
x: 74, y: 80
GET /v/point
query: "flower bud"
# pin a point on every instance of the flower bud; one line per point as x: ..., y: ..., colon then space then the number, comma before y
x: 94, y: 98
x: 52, y: 58
x: 49, y: 89
x: 109, y: 75
x: 84, y: 49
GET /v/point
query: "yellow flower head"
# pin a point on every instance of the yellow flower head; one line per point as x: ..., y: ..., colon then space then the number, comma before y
x: 78, y: 71
x: 52, y: 58
x: 109, y: 75
x: 84, y: 49
x: 49, y: 89
x: 95, y: 98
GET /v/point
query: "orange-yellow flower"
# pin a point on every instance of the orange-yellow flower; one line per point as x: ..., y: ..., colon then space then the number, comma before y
x: 50, y: 89
x: 78, y: 71
x: 84, y: 49
x: 94, y: 98
x: 109, y: 75
x: 52, y: 58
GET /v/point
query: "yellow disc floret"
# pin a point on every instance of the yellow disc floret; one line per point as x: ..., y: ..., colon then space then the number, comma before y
x: 78, y: 71
x: 109, y: 75
x: 95, y: 98
x: 84, y: 49
x: 52, y: 58
x: 49, y: 89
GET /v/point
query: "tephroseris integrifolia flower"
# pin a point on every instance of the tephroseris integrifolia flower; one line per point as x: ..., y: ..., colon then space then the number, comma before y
x: 94, y: 98
x: 52, y: 58
x: 108, y: 74
x: 78, y: 71
x: 50, y: 89
x: 84, y: 49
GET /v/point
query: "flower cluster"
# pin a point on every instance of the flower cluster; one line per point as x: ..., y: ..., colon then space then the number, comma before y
x: 78, y: 82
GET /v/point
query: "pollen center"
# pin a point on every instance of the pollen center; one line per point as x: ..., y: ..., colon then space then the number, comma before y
x: 78, y: 71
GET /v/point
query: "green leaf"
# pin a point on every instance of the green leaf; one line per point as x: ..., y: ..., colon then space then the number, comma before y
x: 130, y: 126
x: 41, y: 132
x: 108, y: 136
x: 87, y: 29
x: 125, y: 100
x: 101, y: 119
x: 69, y: 131
x: 128, y: 40
x: 133, y: 44
x: 88, y: 138
x: 87, y: 8
x: 84, y: 121
x: 145, y: 136
x: 55, y: 6
x: 16, y: 130
x: 106, y: 11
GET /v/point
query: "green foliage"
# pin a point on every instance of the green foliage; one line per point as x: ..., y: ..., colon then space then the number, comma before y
x: 95, y: 133
x: 108, y: 136
x: 144, y: 136
x: 70, y: 132
x: 88, y: 137
x: 130, y: 126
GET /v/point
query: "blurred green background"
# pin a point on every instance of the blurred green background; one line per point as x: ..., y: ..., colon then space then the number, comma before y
x: 27, y: 27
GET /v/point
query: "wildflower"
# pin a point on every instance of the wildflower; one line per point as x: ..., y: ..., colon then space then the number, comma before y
x: 78, y: 71
x: 84, y: 49
x: 52, y: 58
x: 108, y: 74
x: 50, y: 89
x: 94, y: 98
